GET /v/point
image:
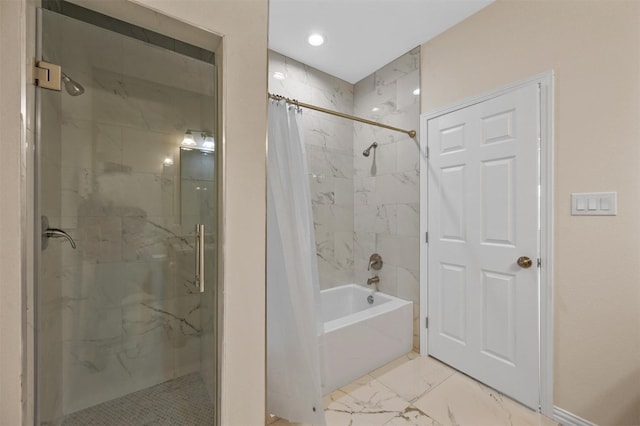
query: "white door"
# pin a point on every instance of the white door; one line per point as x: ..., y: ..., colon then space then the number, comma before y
x: 482, y: 216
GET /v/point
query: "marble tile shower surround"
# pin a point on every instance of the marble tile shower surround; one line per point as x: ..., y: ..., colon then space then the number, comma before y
x: 386, y: 184
x: 362, y: 205
x: 124, y: 313
x: 329, y: 151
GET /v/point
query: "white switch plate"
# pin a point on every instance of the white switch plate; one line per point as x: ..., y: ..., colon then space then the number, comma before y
x: 594, y: 204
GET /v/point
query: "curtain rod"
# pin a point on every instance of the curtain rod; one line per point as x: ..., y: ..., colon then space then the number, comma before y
x: 411, y: 133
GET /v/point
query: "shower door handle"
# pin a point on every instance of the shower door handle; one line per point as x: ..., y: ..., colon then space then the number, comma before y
x: 200, y: 256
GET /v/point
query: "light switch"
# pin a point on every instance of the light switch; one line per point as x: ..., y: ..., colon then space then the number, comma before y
x: 594, y: 204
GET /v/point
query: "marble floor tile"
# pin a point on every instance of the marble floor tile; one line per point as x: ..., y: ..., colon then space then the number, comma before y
x: 413, y: 379
x: 333, y: 396
x: 421, y: 391
x: 367, y: 404
x: 412, y: 416
x: 460, y: 400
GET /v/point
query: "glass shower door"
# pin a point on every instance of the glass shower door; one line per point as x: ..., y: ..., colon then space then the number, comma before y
x: 126, y: 334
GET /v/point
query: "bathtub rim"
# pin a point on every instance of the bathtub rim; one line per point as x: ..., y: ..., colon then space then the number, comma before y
x: 392, y: 303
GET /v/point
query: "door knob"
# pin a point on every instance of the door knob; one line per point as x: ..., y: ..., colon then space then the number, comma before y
x: 524, y: 262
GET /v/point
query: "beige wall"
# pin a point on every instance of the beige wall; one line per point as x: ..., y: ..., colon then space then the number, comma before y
x: 594, y: 49
x: 10, y: 284
x: 243, y: 26
x: 16, y: 135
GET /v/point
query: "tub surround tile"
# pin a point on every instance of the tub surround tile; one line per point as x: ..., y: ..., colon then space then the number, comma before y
x: 399, y: 68
x: 409, y: 285
x: 398, y: 188
x: 388, y: 279
x: 322, y: 191
x: 386, y: 187
x: 405, y: 86
x: 408, y: 216
x: 343, y: 250
x: 408, y: 158
x: 329, y: 148
x: 343, y: 191
x: 383, y: 189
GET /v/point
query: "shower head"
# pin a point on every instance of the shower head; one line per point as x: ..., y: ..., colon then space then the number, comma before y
x: 367, y: 151
x: 72, y: 87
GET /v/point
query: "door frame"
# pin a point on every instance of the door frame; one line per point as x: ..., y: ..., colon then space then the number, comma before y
x: 545, y: 307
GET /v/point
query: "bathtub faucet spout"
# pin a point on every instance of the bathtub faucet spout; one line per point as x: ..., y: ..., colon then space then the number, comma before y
x: 374, y: 280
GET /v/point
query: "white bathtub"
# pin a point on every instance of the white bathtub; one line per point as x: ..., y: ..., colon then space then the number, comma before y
x: 360, y: 337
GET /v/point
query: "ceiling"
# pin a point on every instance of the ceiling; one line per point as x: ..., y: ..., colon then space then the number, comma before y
x: 361, y: 35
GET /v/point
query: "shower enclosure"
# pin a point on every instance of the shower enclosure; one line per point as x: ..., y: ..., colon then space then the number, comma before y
x: 126, y: 289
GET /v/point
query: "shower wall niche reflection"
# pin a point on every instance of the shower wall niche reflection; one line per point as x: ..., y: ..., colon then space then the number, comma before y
x: 122, y: 313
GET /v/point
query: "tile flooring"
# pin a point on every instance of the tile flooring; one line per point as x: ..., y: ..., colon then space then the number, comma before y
x: 181, y: 401
x: 420, y: 391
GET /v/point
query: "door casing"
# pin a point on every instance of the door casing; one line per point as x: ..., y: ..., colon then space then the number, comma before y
x: 545, y: 81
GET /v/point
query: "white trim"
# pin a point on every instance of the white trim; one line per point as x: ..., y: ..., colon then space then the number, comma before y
x: 472, y: 100
x: 545, y: 80
x: 546, y: 241
x: 424, y: 247
x: 569, y: 419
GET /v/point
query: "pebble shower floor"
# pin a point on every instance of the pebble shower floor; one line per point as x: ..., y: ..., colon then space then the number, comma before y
x: 181, y: 401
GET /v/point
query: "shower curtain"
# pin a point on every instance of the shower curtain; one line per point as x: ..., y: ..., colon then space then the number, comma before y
x: 294, y: 330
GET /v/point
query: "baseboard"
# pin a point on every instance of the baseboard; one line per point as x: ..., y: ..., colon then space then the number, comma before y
x: 569, y: 419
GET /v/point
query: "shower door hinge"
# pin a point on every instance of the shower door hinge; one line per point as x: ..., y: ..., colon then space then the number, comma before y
x: 426, y: 152
x: 426, y: 322
x: 426, y: 237
x: 539, y: 262
x: 47, y: 76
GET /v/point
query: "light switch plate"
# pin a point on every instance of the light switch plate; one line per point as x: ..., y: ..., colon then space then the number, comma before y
x: 594, y: 204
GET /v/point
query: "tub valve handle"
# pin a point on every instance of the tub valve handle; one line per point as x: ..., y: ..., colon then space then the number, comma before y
x: 375, y: 262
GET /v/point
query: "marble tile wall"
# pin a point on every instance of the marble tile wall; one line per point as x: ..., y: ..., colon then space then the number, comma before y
x: 329, y: 148
x: 362, y: 205
x: 386, y: 184
x: 49, y: 295
x: 129, y: 314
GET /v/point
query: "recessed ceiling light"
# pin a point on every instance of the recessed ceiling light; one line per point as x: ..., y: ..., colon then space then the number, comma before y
x: 278, y: 75
x: 375, y: 109
x: 417, y: 91
x: 316, y: 39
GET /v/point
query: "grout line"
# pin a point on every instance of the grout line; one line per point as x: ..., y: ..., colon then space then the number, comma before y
x: 431, y: 388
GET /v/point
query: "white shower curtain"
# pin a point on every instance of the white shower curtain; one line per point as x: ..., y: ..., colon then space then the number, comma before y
x: 294, y: 330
